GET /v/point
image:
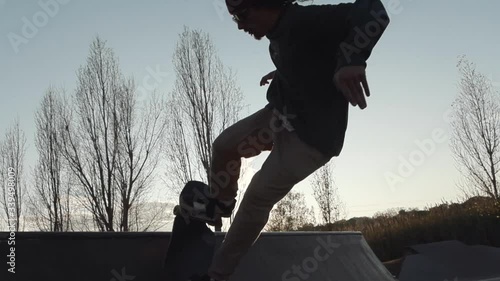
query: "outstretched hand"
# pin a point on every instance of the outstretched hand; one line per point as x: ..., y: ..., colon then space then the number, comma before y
x: 266, y: 78
x: 351, y: 81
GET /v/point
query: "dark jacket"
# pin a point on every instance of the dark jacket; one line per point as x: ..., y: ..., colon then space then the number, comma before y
x: 307, y: 46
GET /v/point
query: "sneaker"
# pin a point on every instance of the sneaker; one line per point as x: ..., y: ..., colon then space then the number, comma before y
x: 211, y: 211
x: 195, y: 202
x: 225, y: 208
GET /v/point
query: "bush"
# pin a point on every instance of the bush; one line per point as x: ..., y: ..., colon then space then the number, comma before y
x: 476, y: 221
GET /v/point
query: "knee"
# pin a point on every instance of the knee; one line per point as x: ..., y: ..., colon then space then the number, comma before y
x: 262, y: 201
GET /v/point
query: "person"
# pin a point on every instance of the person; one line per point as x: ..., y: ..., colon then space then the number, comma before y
x: 320, y: 54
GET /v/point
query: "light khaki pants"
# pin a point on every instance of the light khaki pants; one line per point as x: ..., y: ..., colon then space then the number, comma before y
x: 289, y: 162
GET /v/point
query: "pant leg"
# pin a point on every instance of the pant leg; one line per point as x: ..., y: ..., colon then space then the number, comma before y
x: 290, y: 161
x: 246, y: 138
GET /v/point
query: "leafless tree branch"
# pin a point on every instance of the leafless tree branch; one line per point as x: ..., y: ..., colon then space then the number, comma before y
x: 476, y: 131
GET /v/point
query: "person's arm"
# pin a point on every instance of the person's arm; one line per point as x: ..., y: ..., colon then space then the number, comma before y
x: 357, y: 27
x: 366, y: 21
x: 267, y: 77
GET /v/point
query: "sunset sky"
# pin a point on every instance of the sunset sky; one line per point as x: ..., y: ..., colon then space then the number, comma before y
x: 396, y: 152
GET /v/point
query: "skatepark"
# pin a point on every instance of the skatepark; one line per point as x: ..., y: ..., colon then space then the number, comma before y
x: 109, y: 107
x: 293, y: 256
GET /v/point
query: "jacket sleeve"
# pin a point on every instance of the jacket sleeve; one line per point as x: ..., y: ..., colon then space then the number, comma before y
x: 365, y: 21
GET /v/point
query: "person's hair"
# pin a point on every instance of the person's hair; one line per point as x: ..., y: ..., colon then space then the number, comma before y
x: 275, y: 4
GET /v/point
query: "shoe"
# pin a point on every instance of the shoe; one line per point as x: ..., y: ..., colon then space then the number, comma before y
x: 195, y: 201
x: 225, y: 208
x: 210, y: 210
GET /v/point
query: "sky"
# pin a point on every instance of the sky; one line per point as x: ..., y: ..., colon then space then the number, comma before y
x: 396, y: 152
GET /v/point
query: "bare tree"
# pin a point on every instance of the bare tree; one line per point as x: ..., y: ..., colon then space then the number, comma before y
x: 181, y: 161
x: 50, y: 201
x: 205, y: 101
x: 111, y: 146
x: 290, y: 213
x: 150, y: 216
x: 476, y: 132
x: 12, y: 151
x: 141, y: 142
x: 326, y: 194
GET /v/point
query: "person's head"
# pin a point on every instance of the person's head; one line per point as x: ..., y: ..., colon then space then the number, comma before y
x: 257, y: 17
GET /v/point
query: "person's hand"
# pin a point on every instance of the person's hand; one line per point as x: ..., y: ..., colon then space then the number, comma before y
x: 351, y: 81
x: 266, y: 78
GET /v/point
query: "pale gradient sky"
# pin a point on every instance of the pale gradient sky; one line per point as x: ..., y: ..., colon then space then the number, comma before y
x: 412, y: 75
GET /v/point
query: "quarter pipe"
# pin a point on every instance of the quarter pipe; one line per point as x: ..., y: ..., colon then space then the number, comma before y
x: 296, y: 256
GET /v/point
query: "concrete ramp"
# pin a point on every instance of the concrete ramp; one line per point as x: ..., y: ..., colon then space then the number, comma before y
x: 312, y: 256
x: 452, y: 261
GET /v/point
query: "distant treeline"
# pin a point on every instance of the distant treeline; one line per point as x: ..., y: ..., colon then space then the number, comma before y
x: 476, y: 221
